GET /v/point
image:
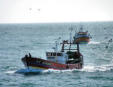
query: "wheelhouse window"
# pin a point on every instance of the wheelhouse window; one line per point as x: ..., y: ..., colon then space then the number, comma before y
x: 53, y: 54
x: 59, y: 54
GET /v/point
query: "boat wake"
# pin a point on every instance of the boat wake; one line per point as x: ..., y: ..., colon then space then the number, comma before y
x: 87, y: 68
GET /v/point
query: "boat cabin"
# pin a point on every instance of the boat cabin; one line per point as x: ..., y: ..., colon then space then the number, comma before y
x: 59, y: 57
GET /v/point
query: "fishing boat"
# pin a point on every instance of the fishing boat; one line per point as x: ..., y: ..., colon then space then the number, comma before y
x: 82, y: 37
x: 66, y: 58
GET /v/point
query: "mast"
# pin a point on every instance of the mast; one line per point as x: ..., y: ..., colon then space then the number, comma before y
x: 62, y: 50
x: 56, y: 44
x: 62, y: 47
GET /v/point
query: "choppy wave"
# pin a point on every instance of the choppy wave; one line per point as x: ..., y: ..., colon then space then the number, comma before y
x: 21, y: 40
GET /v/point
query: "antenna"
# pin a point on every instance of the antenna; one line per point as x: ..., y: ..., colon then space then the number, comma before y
x: 71, y: 29
x: 75, y: 29
x: 57, y: 43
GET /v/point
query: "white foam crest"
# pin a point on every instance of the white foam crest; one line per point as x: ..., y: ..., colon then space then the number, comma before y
x: 89, y: 68
x: 93, y: 42
x: 10, y: 72
x: 51, y: 70
x: 58, y: 71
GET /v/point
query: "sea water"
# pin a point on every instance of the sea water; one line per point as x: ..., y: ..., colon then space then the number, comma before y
x: 16, y: 40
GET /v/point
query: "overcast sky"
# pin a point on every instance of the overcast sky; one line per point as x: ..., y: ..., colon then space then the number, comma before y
x: 28, y: 11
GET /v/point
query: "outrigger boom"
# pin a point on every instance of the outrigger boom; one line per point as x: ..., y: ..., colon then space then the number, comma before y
x: 66, y: 42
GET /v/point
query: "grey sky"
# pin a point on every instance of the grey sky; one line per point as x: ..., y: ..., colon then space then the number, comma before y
x: 24, y: 11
